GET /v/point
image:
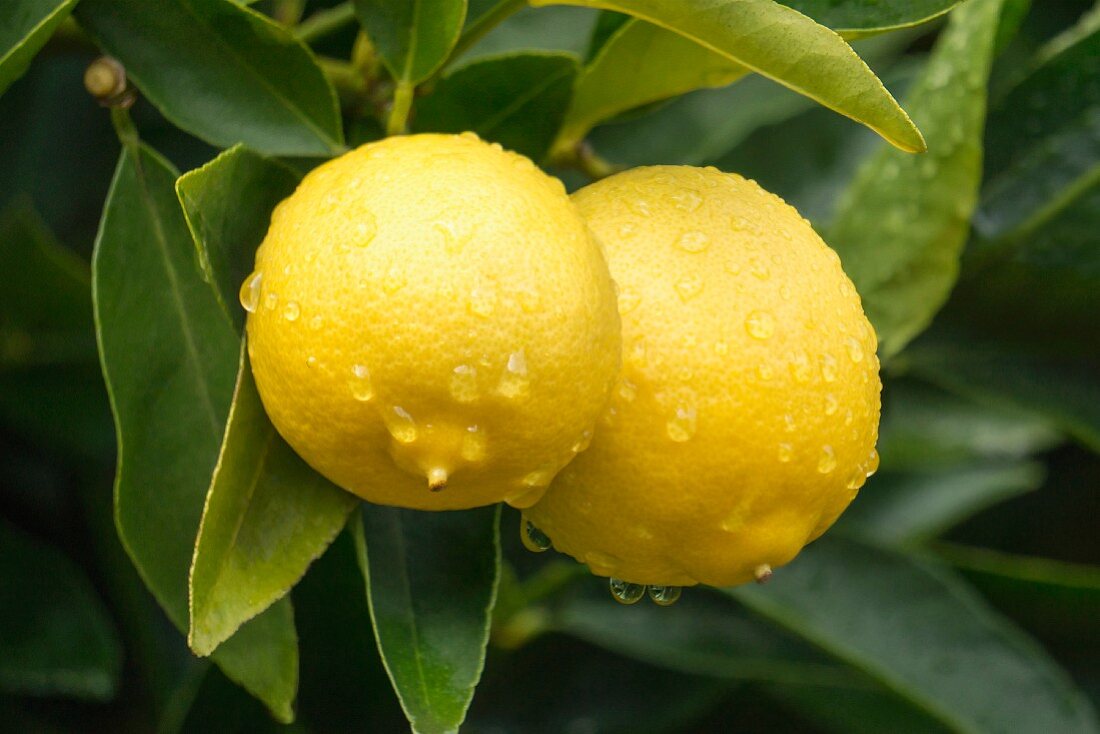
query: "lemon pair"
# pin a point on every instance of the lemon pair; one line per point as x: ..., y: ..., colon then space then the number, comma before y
x: 433, y: 324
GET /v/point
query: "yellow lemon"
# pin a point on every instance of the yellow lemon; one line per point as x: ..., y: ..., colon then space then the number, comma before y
x: 747, y: 413
x: 431, y: 323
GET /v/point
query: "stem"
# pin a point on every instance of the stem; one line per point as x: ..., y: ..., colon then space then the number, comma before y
x: 348, y: 82
x: 124, y: 127
x: 402, y: 104
x: 583, y: 158
x: 289, y: 12
x: 325, y: 22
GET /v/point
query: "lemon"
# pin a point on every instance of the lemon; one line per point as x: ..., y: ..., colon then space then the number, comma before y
x: 746, y: 416
x: 432, y: 324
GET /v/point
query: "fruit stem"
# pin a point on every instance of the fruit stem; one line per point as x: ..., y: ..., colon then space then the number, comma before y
x: 402, y: 104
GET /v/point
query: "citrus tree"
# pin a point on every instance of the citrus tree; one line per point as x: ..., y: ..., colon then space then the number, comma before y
x: 219, y: 515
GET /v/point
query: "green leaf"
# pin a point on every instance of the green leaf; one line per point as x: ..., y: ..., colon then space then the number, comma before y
x: 413, y: 37
x: 1043, y: 139
x: 515, y: 99
x: 783, y: 45
x: 222, y: 72
x: 533, y: 29
x: 268, y: 515
x: 921, y: 633
x: 25, y: 26
x: 907, y: 508
x: 228, y: 204
x: 855, y: 710
x: 169, y: 359
x: 902, y: 225
x: 858, y: 18
x: 1058, y: 600
x: 641, y: 63
x: 431, y: 584
x: 45, y: 304
x: 56, y: 638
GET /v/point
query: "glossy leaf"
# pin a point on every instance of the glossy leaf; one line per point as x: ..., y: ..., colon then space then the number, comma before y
x: 431, y: 584
x: 515, y: 99
x: 558, y: 28
x: 45, y: 301
x: 413, y: 37
x: 25, y: 26
x: 1044, y: 139
x: 856, y: 18
x: 903, y: 223
x: 228, y: 204
x: 169, y: 358
x: 56, y: 638
x: 853, y: 710
x: 783, y: 45
x: 912, y: 507
x: 222, y: 72
x: 920, y: 632
x: 268, y: 515
x: 641, y: 63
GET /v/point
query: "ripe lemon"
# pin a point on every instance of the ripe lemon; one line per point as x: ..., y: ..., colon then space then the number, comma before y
x: 432, y: 324
x: 747, y: 413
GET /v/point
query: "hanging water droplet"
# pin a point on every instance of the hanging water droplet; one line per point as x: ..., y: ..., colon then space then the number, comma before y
x: 437, y: 479
x: 786, y: 453
x: 361, y: 387
x: 249, y: 294
x: 292, y: 311
x: 539, y: 478
x: 681, y: 427
x: 514, y: 382
x: 315, y: 323
x: 872, y: 463
x: 365, y: 228
x: 689, y: 287
x: 533, y: 539
x: 625, y: 592
x: 693, y: 241
x: 665, y: 595
x: 582, y: 443
x: 401, y: 425
x: 858, y: 479
x: 464, y: 383
x: 828, y: 367
x: 473, y: 444
x: 831, y: 404
x: 760, y: 325
x: 827, y: 463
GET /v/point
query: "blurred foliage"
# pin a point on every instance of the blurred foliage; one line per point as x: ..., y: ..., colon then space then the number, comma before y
x: 961, y: 592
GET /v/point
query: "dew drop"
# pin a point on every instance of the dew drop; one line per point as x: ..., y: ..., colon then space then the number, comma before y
x: 482, y: 301
x: 855, y: 351
x: 393, y: 281
x: 828, y: 367
x: 514, y: 382
x: 473, y: 444
x: 270, y: 301
x: 627, y: 230
x: 628, y: 300
x: 786, y: 453
x: 316, y: 323
x: 528, y: 300
x: 582, y: 443
x: 455, y: 238
x: 401, y: 425
x: 249, y: 294
x: 292, y: 311
x: 693, y: 241
x: 538, y: 478
x: 464, y: 383
x: 857, y: 480
x: 639, y: 206
x: 759, y: 269
x: 311, y: 361
x: 628, y: 391
x: 788, y: 423
x: 760, y: 325
x: 534, y: 539
x: 800, y: 367
x: 831, y: 404
x: 687, y: 200
x: 361, y: 387
x: 625, y: 592
x: 827, y: 463
x: 689, y: 287
x: 681, y: 427
x: 365, y: 229
x: 665, y: 596
x: 872, y: 463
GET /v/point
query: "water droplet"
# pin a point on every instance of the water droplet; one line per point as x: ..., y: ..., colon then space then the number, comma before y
x: 473, y: 444
x: 665, y: 595
x: 788, y: 423
x: 539, y: 478
x: 827, y: 462
x: 361, y: 387
x: 534, y: 539
x: 292, y: 311
x: 582, y: 443
x: 394, y: 280
x: 249, y: 294
x: 786, y: 453
x: 872, y: 463
x: 831, y: 404
x: 762, y: 573
x: 528, y: 300
x: 721, y: 348
x: 365, y: 229
x: 514, y: 382
x: 401, y: 425
x: 628, y: 391
x: 316, y: 323
x: 759, y: 269
x: 855, y: 351
x: 800, y: 367
x: 689, y: 287
x: 437, y: 479
x: 681, y: 427
x: 857, y: 480
x: 455, y: 237
x: 311, y: 361
x: 482, y: 301
x: 469, y: 135
x: 760, y: 325
x: 687, y: 200
x: 733, y: 267
x: 628, y: 300
x: 625, y: 592
x: 464, y: 383
x: 693, y: 241
x: 270, y: 300
x: 828, y: 367
x: 639, y: 206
